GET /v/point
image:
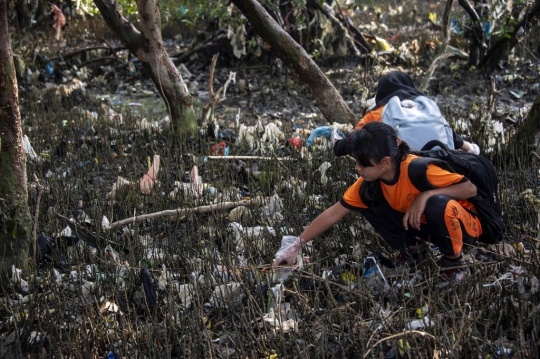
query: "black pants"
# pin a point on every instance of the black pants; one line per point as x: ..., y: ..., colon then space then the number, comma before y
x: 448, y: 225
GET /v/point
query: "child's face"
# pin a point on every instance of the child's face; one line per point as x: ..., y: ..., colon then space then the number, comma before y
x: 373, y: 172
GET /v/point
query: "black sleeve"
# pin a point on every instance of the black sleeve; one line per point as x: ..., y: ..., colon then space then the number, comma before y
x: 340, y: 148
x: 458, y: 141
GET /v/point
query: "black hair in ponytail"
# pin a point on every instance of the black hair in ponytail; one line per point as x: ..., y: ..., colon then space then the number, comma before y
x: 373, y: 142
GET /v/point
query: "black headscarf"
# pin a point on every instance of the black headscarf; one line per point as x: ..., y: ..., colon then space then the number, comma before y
x: 395, y: 83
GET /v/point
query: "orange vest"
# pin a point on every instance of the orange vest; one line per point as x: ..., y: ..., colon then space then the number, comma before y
x: 401, y: 193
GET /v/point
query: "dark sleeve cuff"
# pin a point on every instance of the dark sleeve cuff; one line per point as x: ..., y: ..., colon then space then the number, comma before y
x: 348, y: 206
x: 340, y: 148
x: 458, y: 141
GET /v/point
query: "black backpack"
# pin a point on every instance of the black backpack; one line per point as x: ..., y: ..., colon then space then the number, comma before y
x: 478, y: 170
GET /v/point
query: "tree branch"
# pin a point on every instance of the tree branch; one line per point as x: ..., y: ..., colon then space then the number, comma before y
x: 298, y: 62
x: 181, y: 211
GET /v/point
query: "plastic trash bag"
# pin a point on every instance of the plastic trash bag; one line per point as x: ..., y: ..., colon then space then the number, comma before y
x: 149, y: 288
x: 324, y: 131
x: 287, y: 253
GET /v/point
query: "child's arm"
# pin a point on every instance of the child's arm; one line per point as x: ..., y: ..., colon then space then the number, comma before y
x: 286, y: 255
x: 323, y: 221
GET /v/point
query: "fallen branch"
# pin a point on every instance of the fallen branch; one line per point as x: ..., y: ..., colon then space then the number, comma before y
x: 182, y: 211
x: 87, y: 49
x: 93, y: 61
x: 95, y: 240
x: 180, y: 57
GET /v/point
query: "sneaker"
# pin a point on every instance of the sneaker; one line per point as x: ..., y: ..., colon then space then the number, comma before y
x: 412, y: 255
x: 452, y: 271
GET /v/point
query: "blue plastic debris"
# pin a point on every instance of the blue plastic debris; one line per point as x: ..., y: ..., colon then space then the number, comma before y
x: 455, y: 25
x: 487, y: 29
x: 384, y: 18
x: 324, y: 131
x: 49, y: 69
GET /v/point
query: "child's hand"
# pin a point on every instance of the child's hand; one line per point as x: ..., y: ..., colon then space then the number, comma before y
x: 414, y: 214
x: 286, y: 255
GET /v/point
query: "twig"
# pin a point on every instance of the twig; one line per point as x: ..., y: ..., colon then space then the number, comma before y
x: 36, y: 217
x: 351, y: 28
x: 493, y: 93
x: 211, y: 76
x: 182, y: 211
x: 209, y: 108
x: 444, y: 54
x: 398, y: 335
x: 335, y: 21
x: 110, y: 47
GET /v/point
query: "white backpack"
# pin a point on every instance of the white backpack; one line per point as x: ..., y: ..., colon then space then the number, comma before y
x: 417, y: 121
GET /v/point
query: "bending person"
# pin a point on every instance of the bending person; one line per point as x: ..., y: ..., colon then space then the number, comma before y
x: 395, y: 208
x: 400, y: 84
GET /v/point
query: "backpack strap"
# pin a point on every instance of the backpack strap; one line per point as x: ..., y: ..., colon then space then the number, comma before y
x: 434, y: 143
x: 417, y: 171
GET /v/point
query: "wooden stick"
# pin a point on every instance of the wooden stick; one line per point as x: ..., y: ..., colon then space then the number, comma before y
x: 36, y: 218
x: 182, y: 211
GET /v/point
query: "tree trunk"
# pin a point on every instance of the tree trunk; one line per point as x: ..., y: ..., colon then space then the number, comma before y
x: 23, y: 14
x: 15, y: 219
x: 526, y: 135
x: 147, y: 46
x: 298, y: 61
x: 477, y: 44
x: 503, y: 46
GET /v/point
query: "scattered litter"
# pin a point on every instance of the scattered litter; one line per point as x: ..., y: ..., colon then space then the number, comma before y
x: 16, y: 277
x: 149, y: 288
x: 185, y: 293
x: 29, y: 150
x: 196, y: 182
x: 240, y: 214
x: 120, y: 182
x: 148, y: 180
x: 105, y: 224
x: 517, y: 94
x: 220, y: 148
x: 227, y: 295
x: 420, y: 323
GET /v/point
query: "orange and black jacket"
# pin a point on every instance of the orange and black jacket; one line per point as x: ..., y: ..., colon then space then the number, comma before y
x: 400, y: 193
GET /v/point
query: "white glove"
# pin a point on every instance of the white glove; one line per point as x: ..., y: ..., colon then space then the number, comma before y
x: 474, y: 149
x: 335, y: 136
x: 286, y: 255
